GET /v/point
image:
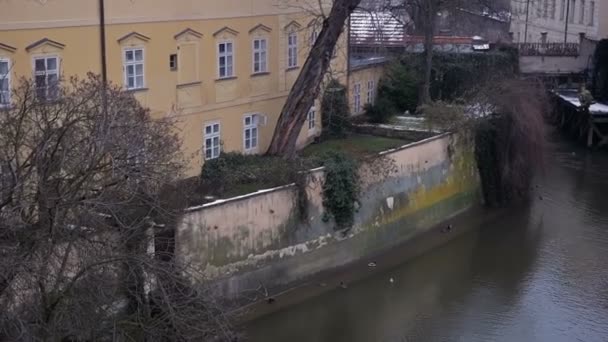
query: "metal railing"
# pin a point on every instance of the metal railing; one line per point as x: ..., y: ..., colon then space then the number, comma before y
x: 548, y: 49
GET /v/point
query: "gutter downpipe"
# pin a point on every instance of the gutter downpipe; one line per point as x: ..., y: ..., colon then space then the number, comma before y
x: 102, y: 40
x: 104, y: 67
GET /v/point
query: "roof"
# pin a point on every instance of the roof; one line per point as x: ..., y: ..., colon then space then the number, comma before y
x: 571, y: 96
x: 361, y: 62
x: 368, y: 27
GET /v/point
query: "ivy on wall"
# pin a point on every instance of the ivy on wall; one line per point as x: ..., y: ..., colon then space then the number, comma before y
x: 335, y: 109
x: 340, y: 189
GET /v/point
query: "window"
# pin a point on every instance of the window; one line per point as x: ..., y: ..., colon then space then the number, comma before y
x: 292, y: 50
x: 591, y: 13
x: 212, y: 141
x: 173, y: 62
x: 260, y: 52
x: 553, y: 8
x: 545, y: 9
x: 225, y: 59
x: 314, y: 34
x: 357, y: 91
x: 5, y: 82
x: 572, y: 10
x: 312, y: 119
x: 371, y: 91
x: 46, y: 72
x: 581, y: 18
x: 134, y: 68
x: 250, y: 132
x: 562, y: 11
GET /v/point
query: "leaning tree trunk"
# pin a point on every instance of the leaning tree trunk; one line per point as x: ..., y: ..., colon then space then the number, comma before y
x: 307, y: 85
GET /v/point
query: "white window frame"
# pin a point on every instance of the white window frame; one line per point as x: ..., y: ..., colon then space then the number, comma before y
x: 314, y: 34
x: 357, y: 98
x: 371, y: 91
x: 253, y: 127
x: 210, y: 138
x: 261, y: 53
x: 134, y: 63
x: 312, y: 119
x: 225, y: 55
x: 46, y: 73
x: 8, y: 78
x: 292, y: 50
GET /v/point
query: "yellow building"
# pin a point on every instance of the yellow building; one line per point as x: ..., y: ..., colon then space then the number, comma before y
x: 364, y: 75
x: 223, y: 68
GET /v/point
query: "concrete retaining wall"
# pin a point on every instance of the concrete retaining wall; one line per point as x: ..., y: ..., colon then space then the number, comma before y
x: 260, y: 239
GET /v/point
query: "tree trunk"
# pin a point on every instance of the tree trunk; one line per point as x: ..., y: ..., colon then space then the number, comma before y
x: 429, y: 33
x: 307, y: 85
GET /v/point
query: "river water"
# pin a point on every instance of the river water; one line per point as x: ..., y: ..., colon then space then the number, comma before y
x: 535, y: 273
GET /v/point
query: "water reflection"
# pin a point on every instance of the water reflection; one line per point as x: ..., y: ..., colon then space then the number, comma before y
x: 534, y: 274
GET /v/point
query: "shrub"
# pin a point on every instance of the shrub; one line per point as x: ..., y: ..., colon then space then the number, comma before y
x: 335, y: 110
x: 234, y: 173
x: 600, y: 72
x: 381, y: 111
x: 340, y: 189
x: 510, y: 144
x: 399, y: 88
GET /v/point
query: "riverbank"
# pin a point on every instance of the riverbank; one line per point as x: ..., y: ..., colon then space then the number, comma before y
x: 535, y: 272
x: 372, y: 265
x: 267, y: 245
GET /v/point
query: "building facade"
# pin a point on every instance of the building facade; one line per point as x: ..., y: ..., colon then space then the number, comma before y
x: 558, y: 21
x: 222, y: 68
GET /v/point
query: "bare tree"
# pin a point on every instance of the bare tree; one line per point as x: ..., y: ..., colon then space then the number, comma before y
x: 421, y: 17
x: 307, y: 86
x: 87, y: 219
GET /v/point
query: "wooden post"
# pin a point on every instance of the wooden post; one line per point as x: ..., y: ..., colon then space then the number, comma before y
x: 590, y: 134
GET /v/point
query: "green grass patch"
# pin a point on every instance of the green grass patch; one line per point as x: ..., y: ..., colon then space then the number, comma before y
x: 356, y: 145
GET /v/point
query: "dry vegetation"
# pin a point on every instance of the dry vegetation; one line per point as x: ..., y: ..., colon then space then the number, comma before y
x: 87, y: 218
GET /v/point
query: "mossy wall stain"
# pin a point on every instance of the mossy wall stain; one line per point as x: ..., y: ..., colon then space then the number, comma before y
x: 433, y: 180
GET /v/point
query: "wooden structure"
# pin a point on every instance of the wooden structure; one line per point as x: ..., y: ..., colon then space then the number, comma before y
x: 591, y: 125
